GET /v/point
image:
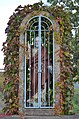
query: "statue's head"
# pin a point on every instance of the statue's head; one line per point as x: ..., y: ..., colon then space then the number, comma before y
x: 36, y: 42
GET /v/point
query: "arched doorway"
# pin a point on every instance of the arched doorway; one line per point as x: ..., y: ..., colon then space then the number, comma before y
x: 39, y: 63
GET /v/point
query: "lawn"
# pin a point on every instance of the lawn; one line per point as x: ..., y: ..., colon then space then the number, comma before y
x: 1, y: 79
x: 1, y: 88
x: 75, y: 101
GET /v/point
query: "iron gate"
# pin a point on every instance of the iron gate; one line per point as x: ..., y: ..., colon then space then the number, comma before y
x: 39, y: 63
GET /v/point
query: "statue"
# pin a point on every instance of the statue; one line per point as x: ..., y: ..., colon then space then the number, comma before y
x: 46, y: 69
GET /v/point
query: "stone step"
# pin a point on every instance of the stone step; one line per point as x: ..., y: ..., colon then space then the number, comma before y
x: 41, y: 117
x: 39, y: 112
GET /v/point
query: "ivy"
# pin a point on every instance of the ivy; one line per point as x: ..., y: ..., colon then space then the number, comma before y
x: 11, y: 52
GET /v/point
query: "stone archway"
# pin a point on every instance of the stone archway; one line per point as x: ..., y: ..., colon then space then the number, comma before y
x: 51, y: 70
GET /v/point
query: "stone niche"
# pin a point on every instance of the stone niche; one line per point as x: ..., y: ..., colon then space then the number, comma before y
x: 22, y: 73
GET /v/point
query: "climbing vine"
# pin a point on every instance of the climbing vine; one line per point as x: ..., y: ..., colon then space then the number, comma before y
x: 11, y: 52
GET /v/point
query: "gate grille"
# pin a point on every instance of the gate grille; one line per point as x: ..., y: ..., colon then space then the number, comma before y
x: 39, y: 63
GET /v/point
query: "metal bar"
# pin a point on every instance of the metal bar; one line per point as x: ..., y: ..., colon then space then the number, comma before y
x: 47, y: 19
x: 34, y: 70
x: 36, y: 30
x: 48, y: 72
x: 39, y: 65
x: 41, y: 16
x: 44, y: 68
x: 53, y: 73
x: 33, y: 24
x: 46, y: 24
x: 28, y: 78
x: 38, y: 107
x: 25, y: 70
x: 31, y: 19
x: 30, y: 68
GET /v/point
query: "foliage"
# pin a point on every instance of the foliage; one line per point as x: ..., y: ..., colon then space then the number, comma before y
x: 11, y: 52
x: 66, y: 80
x: 75, y: 101
x: 72, y: 6
x: 1, y: 91
x: 75, y: 47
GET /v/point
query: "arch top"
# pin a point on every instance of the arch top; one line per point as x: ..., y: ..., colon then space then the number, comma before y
x: 36, y: 14
x: 42, y: 16
x: 45, y: 22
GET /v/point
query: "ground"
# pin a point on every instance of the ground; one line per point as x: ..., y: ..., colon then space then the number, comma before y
x: 1, y: 91
x: 40, y: 117
x: 75, y: 104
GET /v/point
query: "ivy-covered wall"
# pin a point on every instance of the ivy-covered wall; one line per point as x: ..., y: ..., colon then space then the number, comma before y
x: 22, y: 48
x: 12, y: 62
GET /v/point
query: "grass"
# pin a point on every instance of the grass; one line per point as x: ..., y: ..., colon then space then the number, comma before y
x: 1, y: 79
x: 75, y: 101
x: 1, y: 94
